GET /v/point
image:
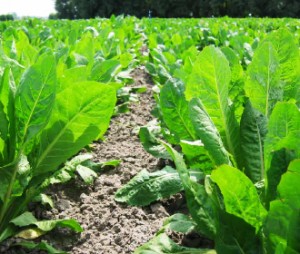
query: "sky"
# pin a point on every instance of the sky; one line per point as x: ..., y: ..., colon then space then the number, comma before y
x: 37, y: 8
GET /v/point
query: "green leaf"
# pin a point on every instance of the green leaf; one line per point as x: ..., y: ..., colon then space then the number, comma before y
x: 7, y: 116
x: 40, y: 246
x: 276, y: 226
x: 236, y: 87
x: 175, y: 110
x: 24, y: 219
x: 209, y: 82
x: 110, y: 163
x: 44, y: 199
x: 27, y: 219
x: 283, y: 133
x: 240, y: 195
x: 283, y: 221
x: 151, y: 143
x: 287, y: 49
x: 35, y: 97
x: 105, y: 71
x: 86, y: 174
x: 163, y: 244
x: 208, y: 133
x: 253, y: 133
x: 237, y: 236
x: 200, y: 203
x: 289, y: 187
x: 263, y: 85
x: 74, y: 124
x: 147, y: 187
x: 293, y: 237
x: 179, y: 223
x: 196, y: 156
x: 279, y: 165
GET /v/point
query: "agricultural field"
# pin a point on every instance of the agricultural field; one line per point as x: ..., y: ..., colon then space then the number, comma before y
x: 150, y: 136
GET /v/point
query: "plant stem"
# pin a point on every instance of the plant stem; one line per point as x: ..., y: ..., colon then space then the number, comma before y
x: 8, y: 194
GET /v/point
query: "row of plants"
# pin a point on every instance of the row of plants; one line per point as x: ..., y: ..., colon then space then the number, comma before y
x: 227, y: 116
x: 59, y: 86
x: 232, y: 129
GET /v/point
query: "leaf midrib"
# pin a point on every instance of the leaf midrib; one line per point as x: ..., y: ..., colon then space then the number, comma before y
x: 27, y: 124
x: 49, y: 148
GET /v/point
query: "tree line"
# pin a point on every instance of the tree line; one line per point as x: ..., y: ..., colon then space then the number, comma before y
x: 78, y: 9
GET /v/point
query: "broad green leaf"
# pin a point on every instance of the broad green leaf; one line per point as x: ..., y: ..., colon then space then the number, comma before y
x: 236, y: 86
x: 196, y: 156
x: 237, y: 236
x: 276, y: 226
x: 263, y: 85
x: 287, y: 49
x: 105, y: 71
x: 75, y: 123
x: 72, y: 75
x: 293, y: 237
x: 175, y: 110
x: 151, y: 143
x: 27, y: 219
x: 147, y: 187
x: 35, y: 97
x: 163, y: 244
x: 209, y: 82
x: 178, y: 223
x: 279, y: 164
x: 253, y: 132
x: 40, y: 246
x: 208, y: 133
x: 85, y: 47
x: 283, y: 133
x: 201, y: 206
x: 26, y: 53
x: 289, y: 187
x: 240, y: 195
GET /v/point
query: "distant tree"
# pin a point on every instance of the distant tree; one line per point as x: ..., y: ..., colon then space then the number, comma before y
x: 53, y: 16
x: 71, y: 9
x: 65, y: 9
x: 6, y: 17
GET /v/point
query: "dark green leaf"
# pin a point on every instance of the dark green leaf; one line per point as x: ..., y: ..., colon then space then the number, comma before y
x: 151, y: 143
x: 146, y: 187
x: 253, y: 133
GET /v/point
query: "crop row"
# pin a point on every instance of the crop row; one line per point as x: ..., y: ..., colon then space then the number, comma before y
x: 227, y: 115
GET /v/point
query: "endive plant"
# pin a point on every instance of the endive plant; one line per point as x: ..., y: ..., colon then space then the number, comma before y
x: 43, y: 123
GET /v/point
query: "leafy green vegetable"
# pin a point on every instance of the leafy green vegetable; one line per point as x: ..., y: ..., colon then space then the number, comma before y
x: 40, y: 246
x: 40, y: 130
x: 146, y: 187
x: 163, y: 244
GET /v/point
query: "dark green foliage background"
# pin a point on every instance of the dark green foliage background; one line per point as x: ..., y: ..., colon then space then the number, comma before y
x: 77, y: 9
